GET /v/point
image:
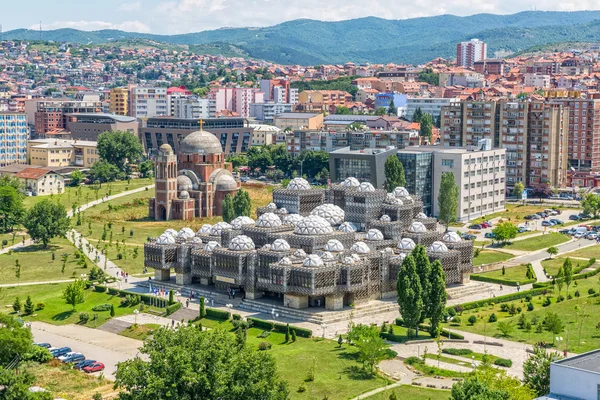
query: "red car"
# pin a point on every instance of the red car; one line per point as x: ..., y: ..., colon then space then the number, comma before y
x: 95, y: 367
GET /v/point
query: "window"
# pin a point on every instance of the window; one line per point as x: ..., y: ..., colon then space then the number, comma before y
x: 447, y: 163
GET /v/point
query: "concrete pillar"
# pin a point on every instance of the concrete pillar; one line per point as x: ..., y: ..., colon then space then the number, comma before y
x: 254, y: 295
x: 162, y: 274
x: 183, y: 279
x: 295, y: 301
x: 204, y: 281
x: 334, y: 302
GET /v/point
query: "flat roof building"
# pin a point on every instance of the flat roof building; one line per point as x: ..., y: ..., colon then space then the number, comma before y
x: 88, y: 126
x: 297, y: 121
x: 62, y: 153
x: 365, y: 165
x: 576, y: 377
x: 13, y: 138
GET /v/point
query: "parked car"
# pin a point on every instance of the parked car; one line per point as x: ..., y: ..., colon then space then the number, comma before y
x: 83, y: 364
x: 592, y: 236
x: 72, y: 357
x: 60, y: 351
x: 556, y: 221
x: 468, y: 236
x: 574, y: 217
x: 490, y: 235
x: 578, y: 235
x: 95, y: 367
x: 486, y: 224
x: 476, y: 226
x: 44, y: 345
x: 244, y: 179
x: 565, y: 231
x: 547, y: 223
x: 584, y: 216
x: 530, y: 217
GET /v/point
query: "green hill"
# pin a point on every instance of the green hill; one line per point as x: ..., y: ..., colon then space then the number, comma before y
x: 368, y: 39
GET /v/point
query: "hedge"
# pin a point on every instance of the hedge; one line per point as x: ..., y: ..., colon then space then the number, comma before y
x: 501, y: 281
x: 281, y: 328
x: 217, y: 314
x: 425, y: 328
x: 145, y: 298
x: 548, y: 284
x: 502, y: 299
x: 503, y: 362
x: 173, y: 307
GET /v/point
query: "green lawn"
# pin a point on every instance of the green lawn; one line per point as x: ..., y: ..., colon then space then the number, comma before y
x: 407, y: 392
x: 490, y: 256
x: 539, y: 242
x: 37, y: 265
x: 552, y: 265
x: 588, y: 252
x: 140, y: 332
x: 590, y: 339
x: 512, y: 274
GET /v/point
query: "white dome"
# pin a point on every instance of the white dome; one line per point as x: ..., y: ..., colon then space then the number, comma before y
x: 241, y: 220
x: 165, y: 239
x: 366, y: 187
x: 280, y: 245
x: 298, y: 184
x: 300, y: 253
x: 210, y: 246
x: 218, y: 228
x: 406, y: 244
x: 351, y: 182
x: 417, y: 227
x: 241, y: 243
x: 271, y: 206
x: 266, y: 246
x: 283, y: 211
x: 451, y: 237
x: 388, y: 250
x: 400, y: 192
x: 355, y: 257
x: 327, y: 256
x: 348, y: 261
x: 438, y: 247
x: 408, y: 199
x: 385, y: 218
x: 313, y: 225
x: 332, y: 213
x: 184, y: 195
x: 268, y: 220
x: 205, y: 229
x: 196, y: 240
x: 374, y: 234
x: 360, y: 248
x: 400, y: 257
x: 313, y: 260
x: 171, y: 232
x: 285, y: 261
x: 421, y: 215
x: 292, y: 219
x: 185, y: 233
x: 347, y: 227
x: 184, y: 183
x: 334, y: 245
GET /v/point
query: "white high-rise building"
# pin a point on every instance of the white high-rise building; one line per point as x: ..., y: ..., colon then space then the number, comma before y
x: 146, y: 102
x: 467, y: 53
x: 192, y: 108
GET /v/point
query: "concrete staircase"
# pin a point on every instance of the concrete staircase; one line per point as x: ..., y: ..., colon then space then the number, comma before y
x: 471, y: 288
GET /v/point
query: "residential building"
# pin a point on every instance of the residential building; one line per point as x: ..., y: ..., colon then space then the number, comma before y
x: 366, y: 94
x: 88, y: 126
x: 36, y: 181
x: 62, y: 153
x: 490, y: 66
x: 14, y: 133
x: 575, y: 377
x: 418, y: 171
x: 467, y: 53
x: 119, y: 101
x: 174, y: 94
x: 400, y: 74
x: 51, y: 114
x: 192, y: 108
x: 147, y: 102
x: 278, y: 91
x: 264, y: 134
x: 299, y: 121
x: 234, y: 134
x: 466, y: 123
x: 537, y: 81
x: 237, y: 100
x: 268, y: 110
x: 384, y: 100
x: 428, y: 105
x: 322, y: 100
x: 364, y: 165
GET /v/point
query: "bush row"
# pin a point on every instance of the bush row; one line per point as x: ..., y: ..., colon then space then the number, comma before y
x: 425, y: 328
x: 144, y: 298
x: 503, y: 362
x: 482, y: 278
x: 217, y: 314
x: 585, y: 275
x: 502, y: 299
x: 173, y: 307
x: 281, y: 328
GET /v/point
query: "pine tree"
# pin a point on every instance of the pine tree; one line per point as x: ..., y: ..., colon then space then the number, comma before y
x: 448, y: 199
x: 112, y: 310
x: 437, y: 297
x: 568, y: 273
x: 228, y: 211
x: 394, y: 173
x: 242, y: 203
x: 293, y: 335
x: 423, y: 266
x: 426, y: 129
x: 202, y: 308
x: 417, y: 115
x: 287, y: 333
x: 28, y: 308
x: 409, y: 293
x: 340, y: 341
x: 171, y: 297
x: 392, y: 109
x: 17, y: 305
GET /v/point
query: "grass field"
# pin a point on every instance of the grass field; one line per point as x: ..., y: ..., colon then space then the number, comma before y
x: 590, y: 338
x: 512, y: 274
x: 588, y: 252
x: 140, y: 332
x: 514, y: 213
x: 407, y: 392
x: 538, y: 242
x: 490, y: 256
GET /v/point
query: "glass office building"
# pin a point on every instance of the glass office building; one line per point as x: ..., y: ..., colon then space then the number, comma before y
x: 418, y: 170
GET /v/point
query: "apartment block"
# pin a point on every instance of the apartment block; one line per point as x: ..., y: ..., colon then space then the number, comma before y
x: 268, y: 110
x: 431, y: 105
x: 51, y: 114
x: 88, y: 126
x: 119, y: 101
x: 192, y: 108
x: 62, y: 153
x: 14, y: 133
x: 467, y: 53
x: 147, y: 102
x: 237, y: 100
x: 278, y: 91
x: 322, y: 100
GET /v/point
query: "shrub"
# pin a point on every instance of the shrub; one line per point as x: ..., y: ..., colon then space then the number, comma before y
x: 504, y: 307
x: 40, y: 306
x: 84, y: 318
x: 456, y: 320
x: 530, y: 306
x: 493, y: 318
x: 112, y: 310
x: 217, y: 314
x: 577, y: 294
x: 173, y: 307
x: 457, y: 352
x: 38, y: 354
x: 472, y: 319
x: 547, y: 302
x: 102, y: 307
x: 503, y: 362
x: 264, y: 346
x: 302, y: 388
x: 591, y: 291
x: 452, y: 311
x: 100, y: 288
x: 281, y: 328
x: 519, y: 309
x: 528, y: 298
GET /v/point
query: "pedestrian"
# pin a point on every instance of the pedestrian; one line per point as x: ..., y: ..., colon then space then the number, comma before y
x: 229, y: 293
x: 288, y: 303
x: 212, y: 302
x: 233, y: 293
x: 173, y: 323
x: 187, y: 303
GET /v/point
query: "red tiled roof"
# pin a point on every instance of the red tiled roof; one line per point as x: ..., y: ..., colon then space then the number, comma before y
x: 32, y: 173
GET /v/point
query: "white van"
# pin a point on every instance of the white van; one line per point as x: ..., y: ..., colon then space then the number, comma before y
x: 581, y: 230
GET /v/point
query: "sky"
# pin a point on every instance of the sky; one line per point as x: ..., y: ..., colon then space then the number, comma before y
x: 184, y: 16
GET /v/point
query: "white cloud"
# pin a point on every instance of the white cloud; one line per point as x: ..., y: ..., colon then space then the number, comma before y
x: 129, y: 7
x: 130, y: 26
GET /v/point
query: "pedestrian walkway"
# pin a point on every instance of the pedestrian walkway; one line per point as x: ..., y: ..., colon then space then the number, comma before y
x: 36, y: 283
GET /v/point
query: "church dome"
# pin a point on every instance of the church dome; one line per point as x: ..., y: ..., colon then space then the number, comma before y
x: 184, y: 195
x: 165, y: 149
x: 226, y: 182
x: 184, y: 183
x: 200, y: 142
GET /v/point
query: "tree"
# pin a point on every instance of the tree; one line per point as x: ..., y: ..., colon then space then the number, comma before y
x: 120, y: 149
x: 559, y: 279
x: 11, y: 207
x: 591, y: 204
x: 146, y: 168
x: 202, y: 308
x: 536, y: 370
x: 505, y: 232
x: 553, y: 324
x: 103, y: 171
x: 394, y: 173
x: 16, y: 306
x: 505, y: 328
x: 73, y: 293
x: 427, y: 75
x: 409, y: 293
x: 204, y: 364
x: 15, y: 339
x: 242, y: 203
x: 28, y: 308
x: 371, y: 347
x: 418, y: 114
x: 518, y: 190
x: 381, y: 111
x: 392, y: 109
x: 15, y: 386
x: 426, y: 129
x: 489, y: 383
x: 423, y: 268
x: 568, y: 273
x: 542, y: 190
x: 12, y: 181
x: 228, y: 209
x: 448, y: 199
x: 437, y: 297
x: 341, y: 110
x: 76, y: 177
x: 552, y: 251
x: 171, y: 297
x: 112, y: 310
x: 46, y: 220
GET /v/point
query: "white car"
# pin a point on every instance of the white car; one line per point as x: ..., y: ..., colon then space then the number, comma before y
x: 592, y: 236
x: 578, y: 235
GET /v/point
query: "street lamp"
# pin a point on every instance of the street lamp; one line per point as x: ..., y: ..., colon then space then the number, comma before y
x: 135, y: 313
x: 558, y: 340
x: 229, y: 307
x: 324, y: 326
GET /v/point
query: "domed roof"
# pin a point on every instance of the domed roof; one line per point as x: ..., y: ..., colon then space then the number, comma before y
x: 200, y: 142
x: 268, y: 220
x: 241, y: 243
x: 165, y: 149
x: 439, y: 247
x: 421, y: 215
x: 266, y: 246
x: 451, y: 237
x: 205, y: 229
x: 385, y: 218
x: 348, y: 261
x: 347, y: 227
x: 298, y: 184
x: 400, y: 257
x: 271, y: 206
x: 313, y: 260
x: 280, y: 245
x: 184, y: 195
x: 417, y: 227
x: 334, y: 245
x: 406, y: 244
x: 366, y: 187
x: 374, y: 234
x: 185, y: 233
x: 332, y: 213
x: 351, y: 182
x: 210, y: 246
x: 226, y: 181
x: 241, y: 220
x: 184, y: 183
x: 391, y: 199
x: 218, y: 228
x: 165, y: 239
x: 283, y: 211
x: 400, y: 192
x: 171, y: 232
x: 285, y: 261
x: 299, y: 253
x: 360, y: 248
x: 196, y: 240
x: 292, y: 219
x: 313, y: 225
